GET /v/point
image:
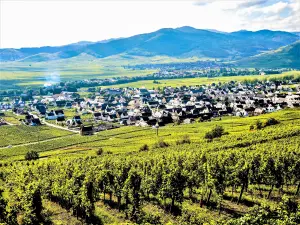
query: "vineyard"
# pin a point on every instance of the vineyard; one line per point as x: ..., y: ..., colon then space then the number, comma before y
x: 130, y: 139
x: 20, y: 134
x: 248, y: 173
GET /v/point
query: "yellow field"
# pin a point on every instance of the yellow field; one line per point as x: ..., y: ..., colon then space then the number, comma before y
x: 198, y: 81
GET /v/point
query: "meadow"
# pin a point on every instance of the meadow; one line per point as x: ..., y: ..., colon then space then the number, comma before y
x: 21, y: 74
x: 37, y: 77
x: 35, y: 74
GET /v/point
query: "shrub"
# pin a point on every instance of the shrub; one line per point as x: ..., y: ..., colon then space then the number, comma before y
x: 147, y: 218
x: 99, y: 151
x: 216, y: 132
x: 32, y: 155
x: 251, y: 127
x: 144, y: 148
x: 259, y: 125
x: 161, y: 144
x: 271, y: 121
x: 186, y: 140
x: 209, y: 135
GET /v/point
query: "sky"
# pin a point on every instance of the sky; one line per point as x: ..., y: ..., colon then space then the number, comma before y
x: 34, y: 23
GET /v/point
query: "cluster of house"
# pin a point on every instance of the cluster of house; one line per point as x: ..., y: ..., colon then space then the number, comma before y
x: 166, y: 71
x: 148, y: 107
x: 143, y: 107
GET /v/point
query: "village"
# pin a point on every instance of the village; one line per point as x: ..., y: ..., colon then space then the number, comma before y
x: 163, y: 71
x: 111, y: 108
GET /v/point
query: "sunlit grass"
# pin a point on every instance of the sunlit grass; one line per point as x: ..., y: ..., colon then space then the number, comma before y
x: 198, y: 81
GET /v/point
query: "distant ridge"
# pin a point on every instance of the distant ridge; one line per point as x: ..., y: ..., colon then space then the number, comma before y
x: 297, y: 33
x: 284, y: 57
x: 179, y: 42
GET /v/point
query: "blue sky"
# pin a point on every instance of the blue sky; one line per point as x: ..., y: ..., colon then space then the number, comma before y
x: 30, y: 23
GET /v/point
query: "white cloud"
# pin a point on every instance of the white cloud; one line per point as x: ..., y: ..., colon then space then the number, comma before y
x: 38, y: 23
x: 272, y: 9
x: 276, y: 8
x: 277, y: 16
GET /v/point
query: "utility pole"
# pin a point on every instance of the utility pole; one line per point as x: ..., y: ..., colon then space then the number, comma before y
x: 38, y: 136
x: 156, y: 127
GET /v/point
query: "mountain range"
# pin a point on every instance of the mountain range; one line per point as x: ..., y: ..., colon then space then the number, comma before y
x: 179, y: 42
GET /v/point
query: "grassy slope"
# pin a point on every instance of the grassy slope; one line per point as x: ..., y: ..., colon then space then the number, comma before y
x: 237, y: 128
x: 284, y: 57
x: 130, y: 139
x: 21, y: 134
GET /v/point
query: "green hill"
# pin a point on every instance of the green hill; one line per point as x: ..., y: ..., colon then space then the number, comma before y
x: 284, y: 57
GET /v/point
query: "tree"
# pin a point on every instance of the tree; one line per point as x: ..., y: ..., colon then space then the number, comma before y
x: 2, y: 208
x: 131, y: 190
x: 216, y: 132
x: 296, y: 172
x: 271, y: 121
x: 273, y: 174
x: 99, y: 151
x: 243, y: 177
x: 120, y: 176
x: 106, y: 183
x: 31, y: 204
x: 31, y: 155
x: 87, y: 199
x: 174, y: 182
x: 259, y: 125
x: 255, y: 172
x: 144, y: 148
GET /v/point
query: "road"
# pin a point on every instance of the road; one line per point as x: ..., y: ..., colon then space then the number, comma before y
x: 60, y: 127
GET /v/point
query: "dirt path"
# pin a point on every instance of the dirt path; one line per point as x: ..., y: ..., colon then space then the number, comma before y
x: 60, y: 127
x: 10, y: 124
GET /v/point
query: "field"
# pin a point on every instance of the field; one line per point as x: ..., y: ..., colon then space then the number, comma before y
x: 14, y: 75
x: 35, y: 74
x: 198, y: 81
x: 38, y: 76
x: 21, y: 134
x: 74, y: 165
